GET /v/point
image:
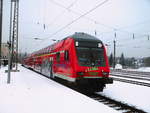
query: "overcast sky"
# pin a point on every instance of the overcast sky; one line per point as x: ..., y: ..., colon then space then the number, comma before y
x: 45, y: 19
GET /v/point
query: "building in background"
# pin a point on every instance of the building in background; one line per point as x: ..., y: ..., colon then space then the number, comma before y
x: 4, y: 55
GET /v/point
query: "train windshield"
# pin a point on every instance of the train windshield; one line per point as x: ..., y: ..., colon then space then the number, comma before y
x: 90, y: 56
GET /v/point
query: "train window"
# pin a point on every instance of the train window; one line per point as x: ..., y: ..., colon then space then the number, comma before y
x: 66, y: 55
x: 91, y: 56
x: 58, y: 57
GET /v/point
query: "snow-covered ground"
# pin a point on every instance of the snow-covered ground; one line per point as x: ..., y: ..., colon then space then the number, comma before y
x: 141, y: 69
x: 135, y: 95
x: 30, y: 92
x: 144, y: 69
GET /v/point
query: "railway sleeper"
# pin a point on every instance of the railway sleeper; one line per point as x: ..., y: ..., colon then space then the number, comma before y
x: 117, y: 107
x: 113, y: 105
x: 107, y: 102
x: 102, y: 100
x: 127, y: 111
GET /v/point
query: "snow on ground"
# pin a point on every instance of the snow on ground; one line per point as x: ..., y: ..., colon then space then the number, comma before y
x: 135, y: 95
x: 30, y: 92
x: 141, y: 69
x: 144, y: 69
x: 129, y: 93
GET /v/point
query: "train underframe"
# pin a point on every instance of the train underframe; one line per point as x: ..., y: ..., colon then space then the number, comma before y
x: 93, y: 84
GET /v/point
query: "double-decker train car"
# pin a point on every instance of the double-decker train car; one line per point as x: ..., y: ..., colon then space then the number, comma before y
x: 79, y: 59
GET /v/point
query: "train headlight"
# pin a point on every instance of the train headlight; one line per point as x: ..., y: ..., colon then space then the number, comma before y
x: 77, y: 43
x: 100, y: 45
x: 105, y: 73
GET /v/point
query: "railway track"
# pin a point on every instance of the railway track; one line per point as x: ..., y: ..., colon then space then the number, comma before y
x: 133, y: 77
x: 132, y: 82
x: 132, y: 72
x: 119, y: 106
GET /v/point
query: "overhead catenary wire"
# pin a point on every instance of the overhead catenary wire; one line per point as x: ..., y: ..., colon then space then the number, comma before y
x: 121, y: 44
x: 136, y: 24
x: 61, y: 13
x: 106, y: 26
x: 79, y: 14
x: 117, y: 29
x: 97, y: 6
x: 43, y: 23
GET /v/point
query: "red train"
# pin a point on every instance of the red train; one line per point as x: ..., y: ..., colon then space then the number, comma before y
x: 79, y: 59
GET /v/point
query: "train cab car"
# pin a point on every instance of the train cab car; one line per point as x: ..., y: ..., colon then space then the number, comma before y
x: 79, y: 59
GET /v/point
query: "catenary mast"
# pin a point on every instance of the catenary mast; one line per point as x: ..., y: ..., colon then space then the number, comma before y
x: 13, y: 38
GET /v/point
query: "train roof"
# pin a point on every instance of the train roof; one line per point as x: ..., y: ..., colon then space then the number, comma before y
x: 80, y: 36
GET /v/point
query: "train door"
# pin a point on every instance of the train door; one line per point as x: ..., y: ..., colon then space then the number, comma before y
x: 51, y: 75
x: 66, y: 65
x: 46, y: 67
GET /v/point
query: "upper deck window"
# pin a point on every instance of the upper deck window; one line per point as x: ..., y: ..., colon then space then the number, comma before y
x: 58, y: 56
x: 66, y: 55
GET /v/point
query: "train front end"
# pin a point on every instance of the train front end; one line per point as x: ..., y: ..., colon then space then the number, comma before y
x: 92, y: 67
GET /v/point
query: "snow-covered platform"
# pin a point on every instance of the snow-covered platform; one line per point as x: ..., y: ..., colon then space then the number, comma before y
x: 30, y: 92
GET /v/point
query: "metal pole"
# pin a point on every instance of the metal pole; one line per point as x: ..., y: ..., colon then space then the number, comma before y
x: 1, y: 18
x: 13, y: 37
x: 114, y: 61
x: 114, y: 54
x: 9, y: 43
x: 17, y: 35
